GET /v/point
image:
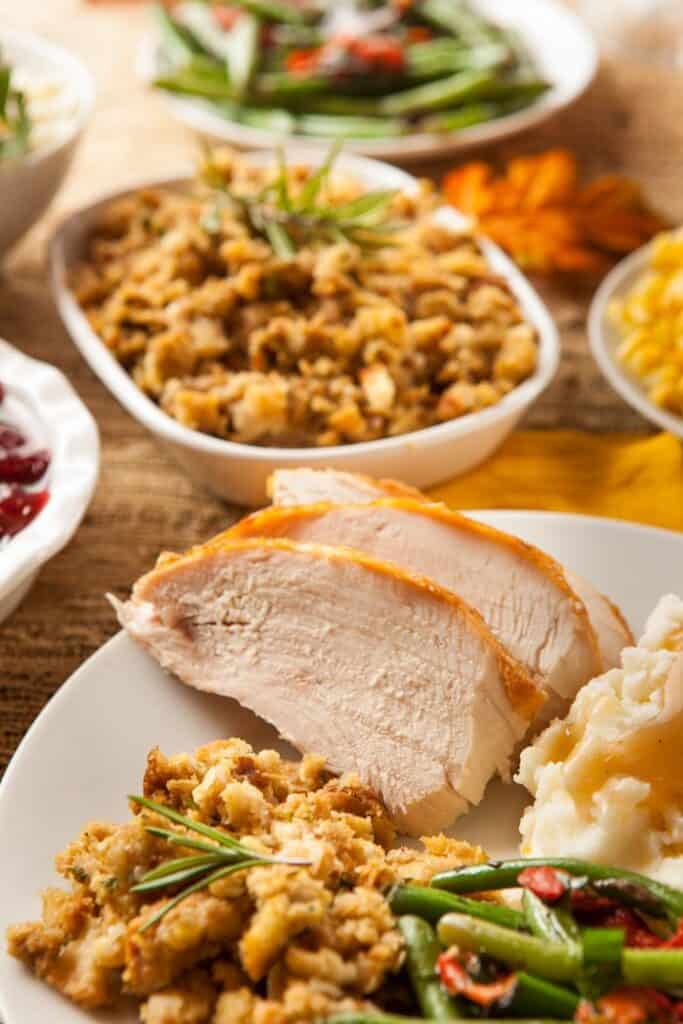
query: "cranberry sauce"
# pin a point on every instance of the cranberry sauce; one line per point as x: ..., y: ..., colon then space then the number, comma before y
x: 21, y: 470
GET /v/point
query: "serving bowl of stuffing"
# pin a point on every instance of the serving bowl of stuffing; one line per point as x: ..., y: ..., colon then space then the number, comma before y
x: 46, y: 99
x: 301, y: 311
x: 49, y: 461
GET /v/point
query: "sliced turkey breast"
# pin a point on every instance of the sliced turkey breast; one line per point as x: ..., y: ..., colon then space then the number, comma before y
x: 309, y: 486
x: 522, y: 594
x: 382, y: 672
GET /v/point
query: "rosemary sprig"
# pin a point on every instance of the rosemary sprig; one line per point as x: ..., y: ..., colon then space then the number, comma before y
x: 288, y: 221
x: 219, y: 858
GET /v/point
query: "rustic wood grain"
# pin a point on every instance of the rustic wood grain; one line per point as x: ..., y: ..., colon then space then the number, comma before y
x: 631, y: 120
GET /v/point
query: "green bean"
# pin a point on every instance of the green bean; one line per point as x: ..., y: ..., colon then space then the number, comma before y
x: 432, y: 904
x: 268, y: 119
x: 271, y: 10
x: 237, y: 48
x: 367, y: 1017
x: 464, y: 117
x: 242, y: 52
x: 338, y: 127
x: 457, y: 18
x: 445, y: 56
x: 547, y: 923
x: 178, y: 43
x: 445, y: 92
x: 504, y: 874
x: 552, y: 960
x: 602, y: 947
x: 194, y: 81
x: 527, y: 89
x: 299, y: 36
x: 279, y: 85
x: 353, y: 106
x: 535, y: 995
x: 199, y: 21
x: 660, y: 968
x: 422, y: 952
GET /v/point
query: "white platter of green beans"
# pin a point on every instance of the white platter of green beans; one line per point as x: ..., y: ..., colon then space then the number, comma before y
x: 397, y: 79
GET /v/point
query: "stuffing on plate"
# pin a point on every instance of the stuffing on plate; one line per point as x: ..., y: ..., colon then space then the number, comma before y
x: 284, y: 308
x: 274, y: 943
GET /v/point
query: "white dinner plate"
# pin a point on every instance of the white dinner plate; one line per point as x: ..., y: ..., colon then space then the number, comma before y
x: 87, y: 748
x: 561, y: 45
x: 605, y: 339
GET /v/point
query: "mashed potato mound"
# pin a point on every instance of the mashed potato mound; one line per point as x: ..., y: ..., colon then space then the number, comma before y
x: 607, y: 779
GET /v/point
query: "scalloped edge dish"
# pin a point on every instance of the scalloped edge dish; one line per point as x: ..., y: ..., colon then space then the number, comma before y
x: 73, y: 440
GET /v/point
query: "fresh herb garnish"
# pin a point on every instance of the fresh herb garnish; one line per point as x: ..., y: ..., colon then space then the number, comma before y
x: 217, y: 859
x: 15, y: 124
x: 288, y: 220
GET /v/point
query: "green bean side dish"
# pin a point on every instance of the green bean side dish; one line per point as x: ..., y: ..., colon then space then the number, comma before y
x: 588, y: 943
x: 288, y: 67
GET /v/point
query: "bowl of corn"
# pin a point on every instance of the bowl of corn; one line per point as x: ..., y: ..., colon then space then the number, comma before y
x: 635, y: 329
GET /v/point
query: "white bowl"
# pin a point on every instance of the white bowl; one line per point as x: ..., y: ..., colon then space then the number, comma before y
x: 605, y: 339
x: 559, y: 42
x: 43, y: 405
x: 239, y: 472
x: 28, y: 184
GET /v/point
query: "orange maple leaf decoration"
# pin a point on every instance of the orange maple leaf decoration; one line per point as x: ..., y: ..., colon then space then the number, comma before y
x: 540, y: 214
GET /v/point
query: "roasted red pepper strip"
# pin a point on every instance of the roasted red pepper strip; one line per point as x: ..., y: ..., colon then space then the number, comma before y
x: 546, y: 883
x: 586, y: 902
x: 346, y: 55
x: 301, y: 62
x: 629, y: 1006
x: 637, y: 934
x: 457, y: 981
x: 676, y: 941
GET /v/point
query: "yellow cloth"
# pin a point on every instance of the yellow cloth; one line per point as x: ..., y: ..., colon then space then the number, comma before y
x: 625, y: 476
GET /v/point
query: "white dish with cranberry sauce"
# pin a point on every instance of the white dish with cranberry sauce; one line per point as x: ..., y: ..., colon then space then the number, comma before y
x: 49, y: 462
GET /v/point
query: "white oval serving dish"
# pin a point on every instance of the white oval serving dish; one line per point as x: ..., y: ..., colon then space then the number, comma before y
x: 239, y: 472
x: 29, y: 183
x: 88, y: 747
x: 560, y: 43
x: 605, y: 339
x: 42, y: 404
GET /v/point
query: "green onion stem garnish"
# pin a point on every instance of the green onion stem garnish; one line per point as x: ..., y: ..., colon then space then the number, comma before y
x: 288, y: 221
x: 15, y: 124
x: 217, y: 859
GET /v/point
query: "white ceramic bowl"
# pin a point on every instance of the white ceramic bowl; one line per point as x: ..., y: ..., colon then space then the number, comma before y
x: 42, y: 404
x: 28, y: 184
x: 239, y: 472
x: 605, y: 339
x: 560, y: 43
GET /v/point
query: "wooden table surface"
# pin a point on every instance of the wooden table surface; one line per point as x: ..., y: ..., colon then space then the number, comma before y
x: 631, y: 120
